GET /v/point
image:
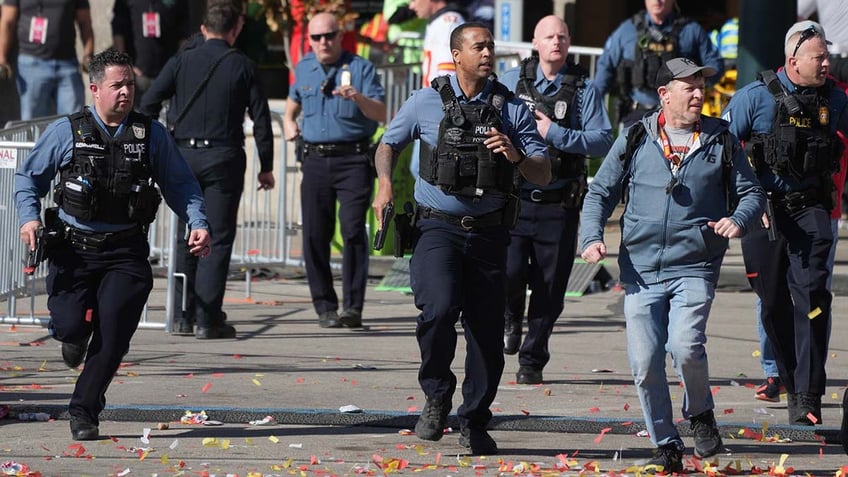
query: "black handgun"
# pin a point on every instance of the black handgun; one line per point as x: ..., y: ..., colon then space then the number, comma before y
x: 772, y: 226
x: 380, y: 237
x: 34, y: 257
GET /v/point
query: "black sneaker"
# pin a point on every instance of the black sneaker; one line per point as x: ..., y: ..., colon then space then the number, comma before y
x: 512, y: 335
x: 843, y: 431
x: 808, y: 409
x: 84, y: 430
x: 770, y: 390
x: 217, y: 332
x: 184, y: 328
x: 431, y: 424
x: 667, y: 459
x: 74, y: 353
x: 351, y: 318
x: 707, y: 438
x: 478, y: 440
x: 329, y: 319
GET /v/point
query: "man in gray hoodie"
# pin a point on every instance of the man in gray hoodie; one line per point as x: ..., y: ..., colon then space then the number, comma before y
x: 680, y: 173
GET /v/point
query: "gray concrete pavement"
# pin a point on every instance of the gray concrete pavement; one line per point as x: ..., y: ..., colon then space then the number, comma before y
x: 282, y: 364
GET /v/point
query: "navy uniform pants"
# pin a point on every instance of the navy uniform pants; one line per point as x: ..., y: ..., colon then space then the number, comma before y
x: 541, y: 256
x: 220, y: 172
x: 326, y: 179
x: 456, y: 274
x: 790, y: 277
x: 103, y: 294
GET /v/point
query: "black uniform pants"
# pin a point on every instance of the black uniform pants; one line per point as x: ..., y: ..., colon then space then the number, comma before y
x: 790, y: 277
x: 103, y: 294
x: 350, y: 180
x: 541, y: 256
x: 220, y: 172
x: 457, y: 273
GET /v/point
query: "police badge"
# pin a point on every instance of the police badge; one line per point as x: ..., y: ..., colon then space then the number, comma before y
x: 138, y: 130
x: 560, y: 109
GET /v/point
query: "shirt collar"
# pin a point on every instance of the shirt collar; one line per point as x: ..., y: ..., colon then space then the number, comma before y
x: 481, y: 96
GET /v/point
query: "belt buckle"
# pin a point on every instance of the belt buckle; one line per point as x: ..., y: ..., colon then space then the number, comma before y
x: 536, y: 195
x: 192, y: 143
x: 467, y: 223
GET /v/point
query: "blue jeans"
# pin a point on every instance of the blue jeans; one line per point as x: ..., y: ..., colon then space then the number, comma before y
x: 669, y: 316
x: 49, y: 87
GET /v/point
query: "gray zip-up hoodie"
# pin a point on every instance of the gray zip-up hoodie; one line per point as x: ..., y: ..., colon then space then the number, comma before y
x: 664, y: 231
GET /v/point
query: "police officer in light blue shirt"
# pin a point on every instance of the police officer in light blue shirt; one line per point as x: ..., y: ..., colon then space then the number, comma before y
x: 572, y: 118
x: 99, y: 277
x: 341, y: 101
x: 471, y: 153
x: 629, y: 57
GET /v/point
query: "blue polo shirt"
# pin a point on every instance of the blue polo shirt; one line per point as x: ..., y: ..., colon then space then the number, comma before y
x: 751, y: 111
x: 588, y: 132
x: 327, y: 118
x: 421, y: 115
x: 693, y: 43
x: 54, y: 149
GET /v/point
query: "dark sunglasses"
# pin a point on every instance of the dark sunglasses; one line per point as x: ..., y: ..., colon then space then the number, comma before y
x: 805, y: 35
x: 327, y: 36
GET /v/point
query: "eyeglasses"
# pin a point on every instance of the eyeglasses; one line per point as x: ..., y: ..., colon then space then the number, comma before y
x: 805, y: 35
x: 330, y: 35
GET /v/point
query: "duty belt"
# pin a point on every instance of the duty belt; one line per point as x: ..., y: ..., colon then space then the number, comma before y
x: 329, y: 149
x: 542, y: 196
x: 93, y: 241
x: 468, y: 223
x: 195, y: 143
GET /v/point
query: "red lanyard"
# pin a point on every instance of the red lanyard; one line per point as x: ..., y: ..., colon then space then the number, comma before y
x: 675, y: 154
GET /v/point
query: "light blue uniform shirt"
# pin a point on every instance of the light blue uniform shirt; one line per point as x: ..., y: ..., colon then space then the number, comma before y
x: 751, y: 111
x: 327, y: 118
x: 55, y: 148
x: 420, y: 116
x: 589, y: 132
x: 693, y: 43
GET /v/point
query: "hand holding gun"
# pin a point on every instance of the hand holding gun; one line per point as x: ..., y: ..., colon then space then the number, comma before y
x: 380, y: 237
x: 34, y: 257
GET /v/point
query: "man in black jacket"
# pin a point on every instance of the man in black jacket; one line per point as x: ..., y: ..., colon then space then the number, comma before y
x: 210, y: 135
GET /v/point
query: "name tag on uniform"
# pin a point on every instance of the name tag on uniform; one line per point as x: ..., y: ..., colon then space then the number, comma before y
x: 38, y: 30
x: 150, y: 26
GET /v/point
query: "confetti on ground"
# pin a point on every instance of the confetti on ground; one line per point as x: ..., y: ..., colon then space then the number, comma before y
x: 194, y: 417
x: 206, y: 387
x: 265, y: 421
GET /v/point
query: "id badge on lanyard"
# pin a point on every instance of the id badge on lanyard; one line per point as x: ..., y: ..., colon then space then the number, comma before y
x: 150, y: 25
x: 38, y: 30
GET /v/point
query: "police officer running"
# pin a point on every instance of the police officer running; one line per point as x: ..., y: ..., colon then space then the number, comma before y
x: 108, y: 158
x: 680, y: 173
x: 341, y: 99
x: 639, y: 46
x: 470, y: 154
x: 210, y: 87
x: 789, y: 122
x: 572, y: 119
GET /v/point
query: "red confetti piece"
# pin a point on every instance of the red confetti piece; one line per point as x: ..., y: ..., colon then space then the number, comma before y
x: 728, y: 411
x: 313, y: 460
x: 253, y: 251
x: 601, y: 435
x: 627, y: 423
x: 88, y: 314
x: 525, y: 412
x: 627, y: 406
x: 190, y: 375
x: 237, y: 356
x: 206, y: 387
x: 594, y: 409
x: 812, y: 418
x: 300, y: 380
x: 412, y: 409
x: 751, y: 275
x: 715, y: 390
x: 217, y: 375
x: 410, y: 398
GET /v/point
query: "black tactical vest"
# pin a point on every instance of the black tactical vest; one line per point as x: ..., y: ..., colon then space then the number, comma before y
x: 460, y: 164
x: 800, y: 144
x: 108, y: 179
x: 653, y: 48
x: 561, y: 108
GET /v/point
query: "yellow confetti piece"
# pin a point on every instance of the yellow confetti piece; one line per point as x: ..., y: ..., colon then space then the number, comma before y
x: 43, y: 366
x: 164, y: 459
x: 834, y: 396
x: 756, y: 353
x: 210, y: 442
x: 274, y: 439
x: 248, y: 440
x: 256, y: 382
x: 816, y: 312
x: 288, y: 462
x: 259, y: 375
x: 225, y: 444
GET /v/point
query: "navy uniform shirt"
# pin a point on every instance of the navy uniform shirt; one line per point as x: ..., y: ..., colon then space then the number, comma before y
x: 218, y: 113
x: 589, y: 131
x: 327, y: 118
x: 54, y: 149
x: 693, y: 43
x: 421, y: 115
x: 751, y: 110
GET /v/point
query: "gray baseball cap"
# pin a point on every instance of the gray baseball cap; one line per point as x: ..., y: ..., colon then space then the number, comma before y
x: 677, y: 68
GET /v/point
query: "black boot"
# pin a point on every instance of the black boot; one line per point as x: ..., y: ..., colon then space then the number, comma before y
x: 512, y: 334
